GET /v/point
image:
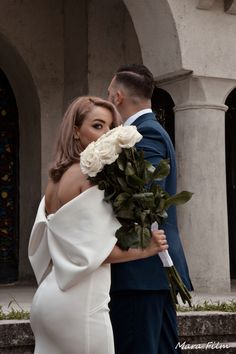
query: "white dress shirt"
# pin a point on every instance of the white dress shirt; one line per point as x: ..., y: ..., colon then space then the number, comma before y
x: 132, y: 118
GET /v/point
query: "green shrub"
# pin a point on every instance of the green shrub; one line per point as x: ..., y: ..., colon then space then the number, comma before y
x: 210, y: 306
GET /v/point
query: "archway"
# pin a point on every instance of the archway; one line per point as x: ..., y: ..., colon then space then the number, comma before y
x: 162, y: 106
x: 9, y: 181
x: 27, y: 101
x: 161, y: 54
x: 230, y: 134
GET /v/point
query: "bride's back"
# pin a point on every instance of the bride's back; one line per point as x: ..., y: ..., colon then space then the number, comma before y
x: 71, y: 184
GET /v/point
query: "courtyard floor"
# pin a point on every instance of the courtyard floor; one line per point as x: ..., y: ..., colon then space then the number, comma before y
x: 21, y: 296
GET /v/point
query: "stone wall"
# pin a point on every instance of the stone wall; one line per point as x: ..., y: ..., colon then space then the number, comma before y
x: 31, y: 43
x: 112, y: 41
x: 199, y: 333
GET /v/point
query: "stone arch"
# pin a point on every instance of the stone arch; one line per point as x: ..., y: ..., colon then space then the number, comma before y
x: 227, y: 92
x: 25, y: 92
x: 230, y: 147
x: 161, y: 53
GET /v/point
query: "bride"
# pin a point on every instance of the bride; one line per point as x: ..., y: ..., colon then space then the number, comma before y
x: 73, y: 241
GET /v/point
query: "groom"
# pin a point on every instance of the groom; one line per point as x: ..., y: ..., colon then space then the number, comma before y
x: 142, y: 315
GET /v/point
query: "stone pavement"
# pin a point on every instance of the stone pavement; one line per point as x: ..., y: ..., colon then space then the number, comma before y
x: 21, y: 295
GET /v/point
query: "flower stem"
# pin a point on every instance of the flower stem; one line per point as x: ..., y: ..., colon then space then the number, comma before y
x: 177, y: 286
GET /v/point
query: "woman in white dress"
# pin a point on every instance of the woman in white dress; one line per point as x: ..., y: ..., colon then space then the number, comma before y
x: 73, y: 241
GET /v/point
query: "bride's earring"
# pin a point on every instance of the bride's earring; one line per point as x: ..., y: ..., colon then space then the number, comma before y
x: 78, y: 143
x: 76, y: 133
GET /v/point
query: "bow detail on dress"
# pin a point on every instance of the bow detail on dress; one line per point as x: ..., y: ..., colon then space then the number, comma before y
x: 38, y: 249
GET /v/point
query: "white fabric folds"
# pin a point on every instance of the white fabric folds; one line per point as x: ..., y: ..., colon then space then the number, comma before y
x: 38, y: 250
x: 78, y: 238
x: 69, y: 312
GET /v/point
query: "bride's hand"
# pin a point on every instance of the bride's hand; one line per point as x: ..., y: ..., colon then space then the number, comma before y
x: 158, y: 243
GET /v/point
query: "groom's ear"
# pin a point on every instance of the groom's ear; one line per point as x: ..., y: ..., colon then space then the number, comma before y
x: 119, y: 97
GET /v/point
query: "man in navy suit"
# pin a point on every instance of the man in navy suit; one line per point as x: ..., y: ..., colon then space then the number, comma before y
x: 142, y: 314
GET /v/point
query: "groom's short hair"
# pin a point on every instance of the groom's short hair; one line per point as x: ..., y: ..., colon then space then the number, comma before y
x: 137, y: 78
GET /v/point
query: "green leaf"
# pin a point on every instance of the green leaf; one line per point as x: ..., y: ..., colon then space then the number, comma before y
x: 144, y: 216
x: 121, y: 199
x: 121, y: 161
x: 103, y: 185
x: 161, y: 215
x: 127, y: 237
x: 129, y: 170
x: 135, y: 236
x: 160, y: 204
x: 144, y: 236
x: 177, y: 199
x: 161, y: 171
x: 109, y: 194
x: 124, y: 213
x: 135, y: 181
x: 158, y: 192
x: 124, y: 185
x: 149, y: 166
x: 145, y: 200
x: 128, y: 154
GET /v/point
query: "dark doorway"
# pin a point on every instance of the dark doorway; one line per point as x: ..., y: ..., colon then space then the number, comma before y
x: 230, y: 138
x: 9, y: 182
x: 162, y: 106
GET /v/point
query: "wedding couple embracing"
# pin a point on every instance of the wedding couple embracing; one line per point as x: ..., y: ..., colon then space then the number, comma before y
x: 102, y: 287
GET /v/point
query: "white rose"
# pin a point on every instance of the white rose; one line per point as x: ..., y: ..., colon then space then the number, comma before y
x: 128, y: 136
x: 107, y: 151
x: 90, y: 162
x: 111, y: 138
x: 107, y: 148
x: 111, y: 134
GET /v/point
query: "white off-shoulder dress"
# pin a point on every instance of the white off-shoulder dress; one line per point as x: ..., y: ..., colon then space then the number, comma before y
x: 69, y: 313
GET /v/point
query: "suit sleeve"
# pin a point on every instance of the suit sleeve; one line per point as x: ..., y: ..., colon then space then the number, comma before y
x: 153, y: 146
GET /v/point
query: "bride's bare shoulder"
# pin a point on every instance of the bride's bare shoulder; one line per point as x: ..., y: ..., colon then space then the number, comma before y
x: 72, y: 183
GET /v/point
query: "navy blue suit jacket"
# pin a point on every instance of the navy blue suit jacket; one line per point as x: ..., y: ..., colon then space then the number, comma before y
x: 149, y: 273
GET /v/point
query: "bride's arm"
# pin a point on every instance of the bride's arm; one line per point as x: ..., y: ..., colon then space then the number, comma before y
x: 158, y: 243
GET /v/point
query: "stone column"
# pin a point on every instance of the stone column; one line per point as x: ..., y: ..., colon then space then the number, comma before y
x: 200, y: 152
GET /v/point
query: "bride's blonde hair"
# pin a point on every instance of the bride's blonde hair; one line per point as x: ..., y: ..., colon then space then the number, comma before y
x: 68, y: 149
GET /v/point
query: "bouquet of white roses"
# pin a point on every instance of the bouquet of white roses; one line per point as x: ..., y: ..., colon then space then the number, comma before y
x: 130, y: 185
